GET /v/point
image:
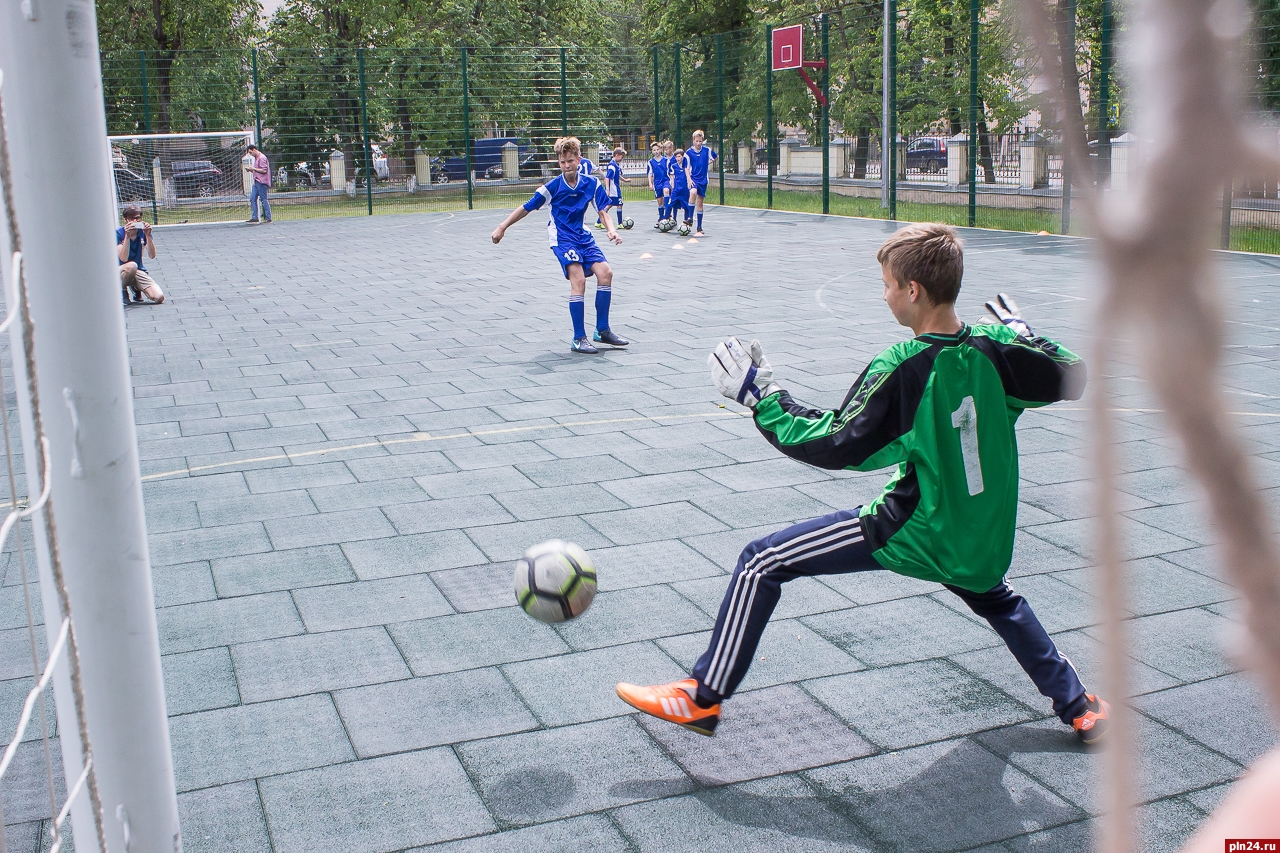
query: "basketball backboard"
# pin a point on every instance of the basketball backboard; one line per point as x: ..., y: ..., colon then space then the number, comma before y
x: 788, y: 47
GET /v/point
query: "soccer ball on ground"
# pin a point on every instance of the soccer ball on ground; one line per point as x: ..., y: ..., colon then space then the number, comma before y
x: 667, y: 225
x: 628, y: 224
x: 684, y: 229
x: 555, y: 581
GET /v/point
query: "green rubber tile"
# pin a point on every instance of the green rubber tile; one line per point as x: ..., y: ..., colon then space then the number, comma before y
x: 472, y: 640
x: 575, y: 688
x: 539, y: 776
x: 350, y: 807
x: 901, y: 706
x: 754, y: 817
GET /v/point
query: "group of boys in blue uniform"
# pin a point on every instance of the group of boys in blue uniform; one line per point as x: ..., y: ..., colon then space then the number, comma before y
x: 679, y: 180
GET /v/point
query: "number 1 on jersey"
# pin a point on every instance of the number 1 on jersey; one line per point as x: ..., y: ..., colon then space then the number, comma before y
x: 965, y: 419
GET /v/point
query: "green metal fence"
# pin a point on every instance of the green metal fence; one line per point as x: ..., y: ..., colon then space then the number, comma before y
x: 374, y: 130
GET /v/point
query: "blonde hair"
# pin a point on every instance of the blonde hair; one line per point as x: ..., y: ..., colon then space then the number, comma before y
x: 698, y: 134
x: 928, y: 253
x: 568, y: 145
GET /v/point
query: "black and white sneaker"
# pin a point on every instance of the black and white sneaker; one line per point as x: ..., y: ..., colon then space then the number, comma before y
x: 607, y: 337
x: 583, y: 345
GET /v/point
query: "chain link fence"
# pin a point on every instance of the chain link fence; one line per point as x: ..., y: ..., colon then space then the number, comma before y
x: 364, y: 131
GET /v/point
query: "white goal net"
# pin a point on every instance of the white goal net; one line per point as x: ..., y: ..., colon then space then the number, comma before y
x: 182, y: 177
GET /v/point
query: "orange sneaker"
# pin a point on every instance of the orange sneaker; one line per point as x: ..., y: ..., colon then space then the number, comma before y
x: 674, y: 703
x: 1091, y: 726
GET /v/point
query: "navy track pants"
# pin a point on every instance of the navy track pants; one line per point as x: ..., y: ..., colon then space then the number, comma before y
x: 834, y: 544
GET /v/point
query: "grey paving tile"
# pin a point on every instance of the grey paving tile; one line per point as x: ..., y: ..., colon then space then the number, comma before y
x: 420, y: 463
x: 1156, y: 585
x: 788, y: 651
x: 314, y: 663
x: 762, y: 733
x: 574, y: 688
x: 1034, y: 556
x: 199, y: 681
x: 565, y: 472
x: 277, y: 570
x: 13, y: 694
x: 411, y: 555
x: 650, y: 563
x: 523, y: 779
x: 773, y: 473
x: 1168, y: 763
x: 528, y: 505
x: 876, y: 586
x: 1059, y: 606
x: 756, y: 817
x: 687, y: 458
x: 630, y: 615
x: 329, y: 528
x: 447, y: 514
x: 1139, y: 540
x: 762, y: 507
x: 215, y: 512
x: 168, y: 516
x: 652, y: 524
x: 501, y: 542
x: 351, y: 807
x: 586, y: 834
x: 478, y: 587
x: 1186, y: 644
x: 486, y: 481
x: 985, y: 800
x: 1196, y: 710
x: 181, y: 584
x: 422, y: 712
x: 362, y: 495
x: 25, y: 787
x: 249, y: 741
x: 915, y: 703
x: 187, y: 545
x: 299, y: 477
x: 908, y: 629
x: 661, y: 488
x: 471, y: 640
x: 226, y: 819
x: 725, y: 547
x: 364, y: 603
x: 800, y: 597
x: 219, y: 623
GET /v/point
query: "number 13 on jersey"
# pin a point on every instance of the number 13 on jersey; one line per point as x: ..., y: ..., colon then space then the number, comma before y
x: 965, y: 419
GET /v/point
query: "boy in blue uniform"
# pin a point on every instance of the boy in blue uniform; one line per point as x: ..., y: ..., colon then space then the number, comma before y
x: 678, y: 174
x: 668, y: 155
x: 700, y: 159
x: 613, y: 180
x: 657, y: 171
x: 570, y: 195
x: 585, y: 166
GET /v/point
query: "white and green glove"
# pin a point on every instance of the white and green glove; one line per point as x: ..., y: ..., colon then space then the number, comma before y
x: 1004, y: 310
x: 742, y: 375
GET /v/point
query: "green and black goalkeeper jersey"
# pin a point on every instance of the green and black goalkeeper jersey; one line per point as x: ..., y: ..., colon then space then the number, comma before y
x: 942, y: 408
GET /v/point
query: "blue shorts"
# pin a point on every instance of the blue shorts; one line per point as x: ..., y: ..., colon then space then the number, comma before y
x: 701, y: 187
x: 659, y: 192
x: 586, y: 256
x: 615, y: 202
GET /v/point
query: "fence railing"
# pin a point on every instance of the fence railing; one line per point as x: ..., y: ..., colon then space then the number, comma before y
x: 364, y: 130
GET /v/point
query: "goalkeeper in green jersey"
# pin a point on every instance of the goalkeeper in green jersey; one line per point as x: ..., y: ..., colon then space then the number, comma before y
x: 941, y: 407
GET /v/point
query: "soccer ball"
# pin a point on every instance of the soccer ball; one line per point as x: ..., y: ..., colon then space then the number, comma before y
x: 666, y: 225
x: 628, y: 224
x: 684, y: 229
x: 555, y: 581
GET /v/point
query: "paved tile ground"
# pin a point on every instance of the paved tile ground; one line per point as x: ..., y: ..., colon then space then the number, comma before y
x: 349, y: 428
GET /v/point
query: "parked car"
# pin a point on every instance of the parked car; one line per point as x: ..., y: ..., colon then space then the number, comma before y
x: 485, y: 153
x: 927, y: 154
x: 530, y: 167
x: 196, y: 178
x: 130, y: 186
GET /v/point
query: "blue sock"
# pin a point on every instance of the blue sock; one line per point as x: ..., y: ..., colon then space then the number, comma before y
x: 619, y: 216
x: 699, y: 221
x: 576, y: 311
x: 660, y: 216
x: 604, y: 295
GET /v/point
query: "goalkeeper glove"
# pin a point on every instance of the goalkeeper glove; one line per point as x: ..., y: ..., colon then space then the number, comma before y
x: 743, y: 376
x: 1004, y: 310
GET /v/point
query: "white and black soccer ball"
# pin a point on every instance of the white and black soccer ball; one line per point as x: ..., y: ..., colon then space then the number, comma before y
x: 555, y: 581
x: 667, y: 225
x: 684, y: 229
x: 628, y: 224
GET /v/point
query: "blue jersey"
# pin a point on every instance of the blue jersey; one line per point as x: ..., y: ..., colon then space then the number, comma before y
x: 135, y: 246
x: 678, y: 176
x: 699, y: 163
x: 613, y: 179
x: 568, y: 209
x: 658, y: 168
x: 585, y: 166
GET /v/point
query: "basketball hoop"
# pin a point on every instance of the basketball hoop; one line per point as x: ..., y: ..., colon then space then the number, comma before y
x: 788, y: 55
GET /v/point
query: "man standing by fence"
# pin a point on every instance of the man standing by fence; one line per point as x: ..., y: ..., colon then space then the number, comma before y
x: 261, y: 169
